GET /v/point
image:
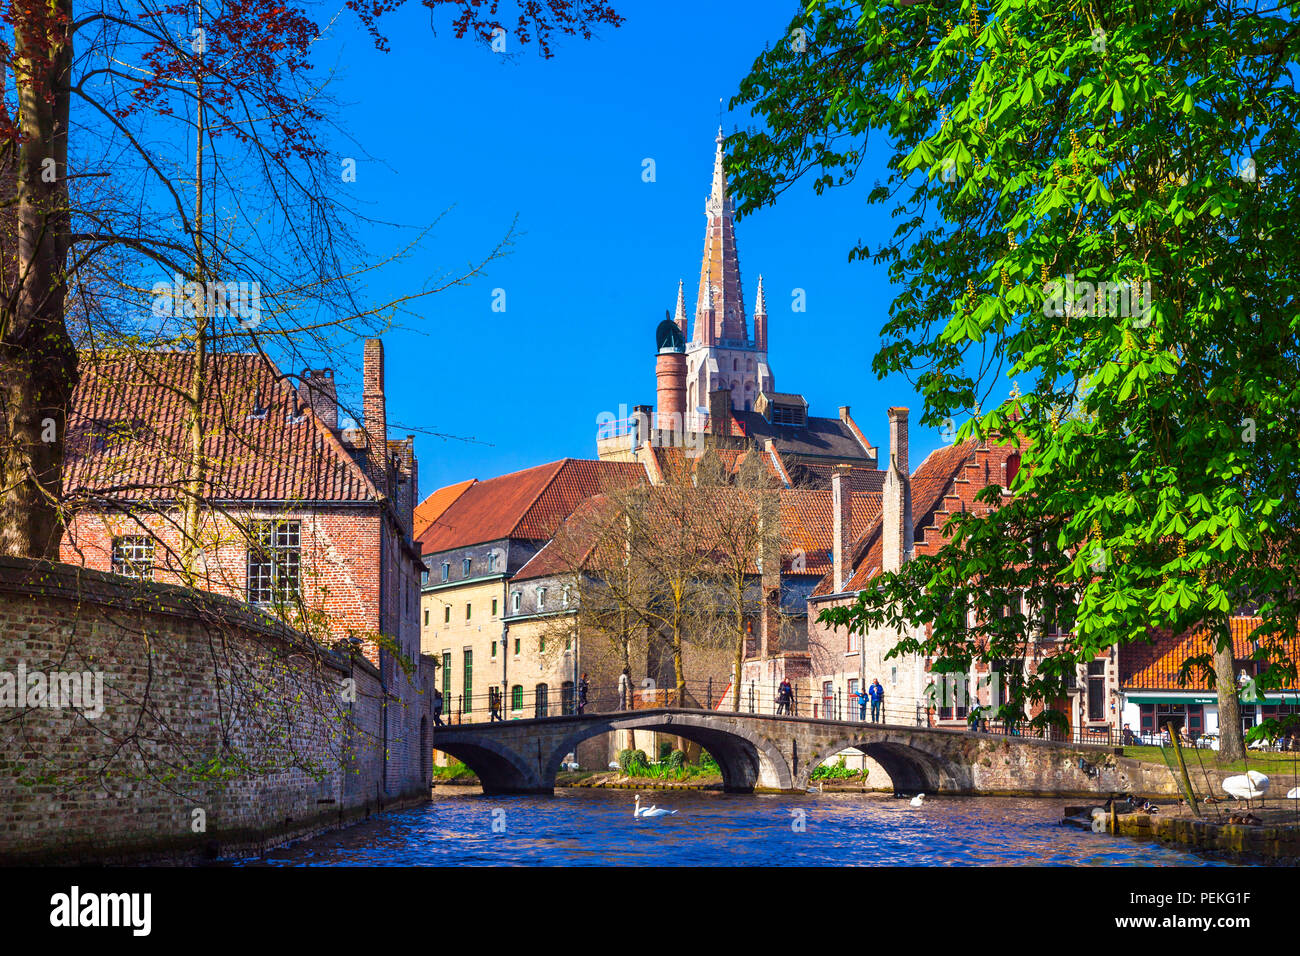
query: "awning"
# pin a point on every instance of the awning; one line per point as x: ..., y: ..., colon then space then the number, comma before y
x: 1174, y: 697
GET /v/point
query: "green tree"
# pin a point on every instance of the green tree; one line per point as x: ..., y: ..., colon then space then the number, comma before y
x: 1032, y: 152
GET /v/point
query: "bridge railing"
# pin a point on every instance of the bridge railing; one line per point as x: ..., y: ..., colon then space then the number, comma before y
x: 548, y: 701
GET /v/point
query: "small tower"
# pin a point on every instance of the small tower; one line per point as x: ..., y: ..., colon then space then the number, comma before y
x: 760, y: 319
x: 670, y: 373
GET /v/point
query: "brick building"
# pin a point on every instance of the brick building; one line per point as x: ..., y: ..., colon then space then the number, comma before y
x: 298, y: 516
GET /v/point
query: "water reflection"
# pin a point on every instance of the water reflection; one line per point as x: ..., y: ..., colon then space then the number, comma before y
x: 596, y: 827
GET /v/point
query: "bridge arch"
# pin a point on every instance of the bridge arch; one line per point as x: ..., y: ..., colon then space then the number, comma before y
x: 745, y: 758
x: 499, y: 768
x: 913, y: 763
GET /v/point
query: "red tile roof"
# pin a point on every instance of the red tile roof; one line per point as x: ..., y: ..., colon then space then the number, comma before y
x: 428, y: 510
x: 1155, y: 666
x: 529, y: 504
x: 127, y: 437
x: 806, y: 527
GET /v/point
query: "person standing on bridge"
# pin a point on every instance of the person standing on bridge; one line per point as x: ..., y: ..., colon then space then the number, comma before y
x: 624, y: 690
x: 784, y: 695
x: 876, y: 694
x: 437, y: 708
x: 863, y: 696
x: 494, y: 703
x: 582, y: 694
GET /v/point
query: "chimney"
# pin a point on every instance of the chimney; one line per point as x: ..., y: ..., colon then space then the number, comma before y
x: 720, y: 411
x: 896, y: 506
x: 842, y: 523
x: 317, y: 391
x: 844, y: 414
x: 376, y: 417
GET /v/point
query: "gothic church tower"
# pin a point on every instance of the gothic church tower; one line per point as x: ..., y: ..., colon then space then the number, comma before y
x: 721, y: 354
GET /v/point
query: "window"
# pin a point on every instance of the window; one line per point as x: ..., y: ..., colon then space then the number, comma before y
x: 494, y: 650
x: 566, y: 697
x: 541, y: 645
x: 514, y: 601
x: 465, y: 566
x: 468, y: 684
x: 1190, y: 718
x: 492, y: 560
x: 854, y: 641
x: 539, y: 701
x: 494, y: 607
x: 517, y: 697
x: 1096, y: 690
x: 446, y: 572
x: 446, y: 614
x: 273, y: 562
x: 467, y: 611
x: 424, y: 576
x: 446, y: 677
x: 426, y: 617
x: 828, y: 698
x: 516, y: 647
x: 564, y: 596
x: 568, y: 642
x: 133, y: 556
x: 541, y: 599
x: 1013, y: 468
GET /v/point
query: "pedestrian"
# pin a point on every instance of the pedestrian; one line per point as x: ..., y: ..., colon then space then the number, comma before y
x: 437, y: 708
x: 582, y: 694
x: 1128, y: 736
x: 494, y: 703
x: 862, y: 696
x: 784, y: 694
x: 624, y: 690
x: 877, y: 695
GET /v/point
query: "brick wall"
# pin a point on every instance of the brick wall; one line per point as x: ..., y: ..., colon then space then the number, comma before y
x: 222, y: 730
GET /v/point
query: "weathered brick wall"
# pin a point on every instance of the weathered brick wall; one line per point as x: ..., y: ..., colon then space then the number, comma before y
x: 340, y: 548
x: 222, y: 730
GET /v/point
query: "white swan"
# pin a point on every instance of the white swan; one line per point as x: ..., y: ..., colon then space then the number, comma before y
x: 918, y: 800
x: 1293, y: 793
x: 1246, y: 786
x: 655, y: 811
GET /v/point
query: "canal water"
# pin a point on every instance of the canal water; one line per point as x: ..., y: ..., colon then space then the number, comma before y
x: 596, y: 827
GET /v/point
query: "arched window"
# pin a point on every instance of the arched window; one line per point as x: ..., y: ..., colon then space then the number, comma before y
x: 750, y: 365
x: 540, y: 701
x: 735, y: 365
x: 566, y: 698
x: 517, y: 697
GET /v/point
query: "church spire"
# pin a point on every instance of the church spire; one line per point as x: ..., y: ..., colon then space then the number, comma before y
x: 720, y: 268
x: 680, y: 316
x: 760, y: 318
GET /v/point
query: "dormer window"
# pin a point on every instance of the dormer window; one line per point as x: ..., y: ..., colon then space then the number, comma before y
x: 465, y: 566
x: 541, y: 598
x: 259, y: 407
x: 492, y: 561
x: 446, y: 571
x: 515, y: 598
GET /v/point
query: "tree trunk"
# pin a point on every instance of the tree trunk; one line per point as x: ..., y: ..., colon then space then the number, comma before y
x: 38, y: 363
x: 1231, y: 745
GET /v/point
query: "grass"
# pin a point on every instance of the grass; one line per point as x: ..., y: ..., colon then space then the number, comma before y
x: 1263, y: 761
x: 455, y: 770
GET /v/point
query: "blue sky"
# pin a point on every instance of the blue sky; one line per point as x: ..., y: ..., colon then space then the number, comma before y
x: 441, y: 124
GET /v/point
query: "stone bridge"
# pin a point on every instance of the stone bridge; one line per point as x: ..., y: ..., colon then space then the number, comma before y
x: 779, y: 753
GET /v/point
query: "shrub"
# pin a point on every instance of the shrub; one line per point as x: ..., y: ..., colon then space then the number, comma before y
x: 633, y: 762
x: 675, y: 759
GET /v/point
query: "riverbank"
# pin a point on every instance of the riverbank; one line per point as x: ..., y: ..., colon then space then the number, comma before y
x: 1274, y: 839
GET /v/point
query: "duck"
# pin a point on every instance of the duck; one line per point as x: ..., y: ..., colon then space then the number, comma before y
x: 918, y: 800
x: 655, y: 811
x: 1293, y: 793
x: 1246, y: 786
x: 815, y: 789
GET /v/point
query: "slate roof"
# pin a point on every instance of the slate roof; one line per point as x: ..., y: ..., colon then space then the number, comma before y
x: 820, y: 438
x: 127, y: 436
x: 529, y: 504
